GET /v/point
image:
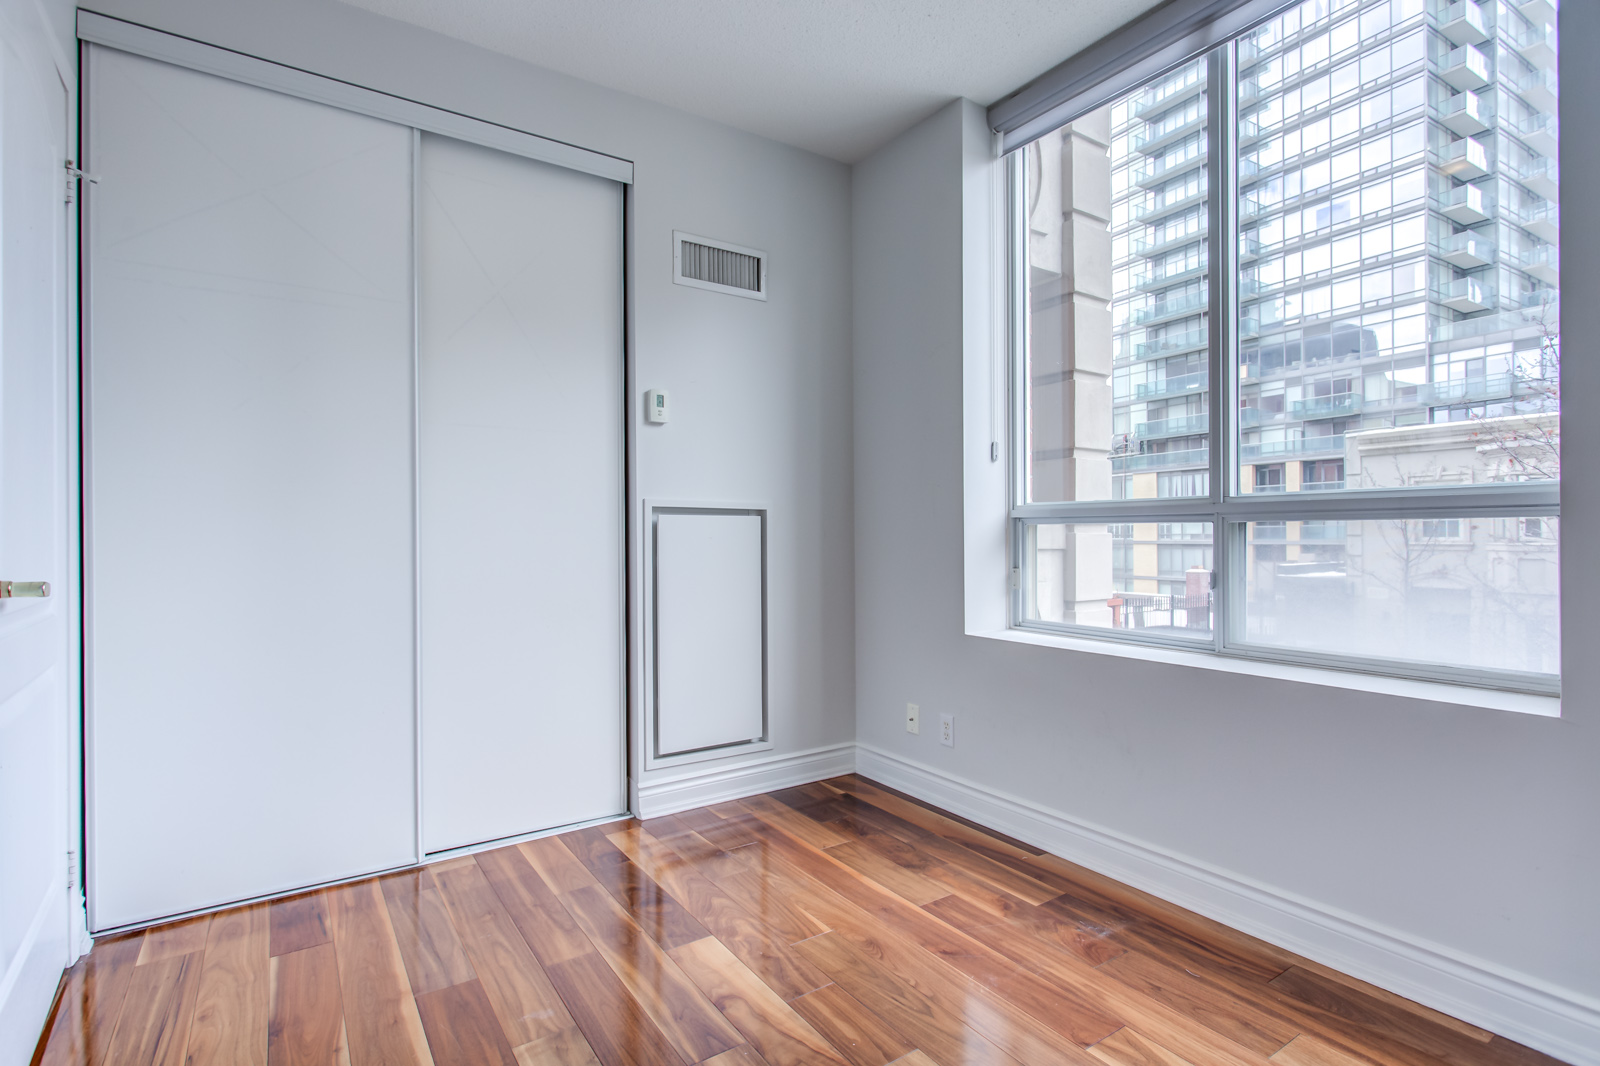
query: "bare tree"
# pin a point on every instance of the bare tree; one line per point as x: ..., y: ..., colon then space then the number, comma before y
x: 1527, y: 445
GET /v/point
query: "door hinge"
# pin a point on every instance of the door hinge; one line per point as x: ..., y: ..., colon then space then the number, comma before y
x: 72, y: 869
x: 74, y: 176
x: 1016, y: 578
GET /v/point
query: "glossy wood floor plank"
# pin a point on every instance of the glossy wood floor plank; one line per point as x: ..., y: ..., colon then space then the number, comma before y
x: 300, y: 922
x: 461, y: 1027
x: 153, y: 1028
x: 428, y: 942
x: 527, y: 1004
x: 860, y: 1035
x: 307, y: 1009
x: 233, y: 1004
x: 381, y: 1020
x: 839, y: 923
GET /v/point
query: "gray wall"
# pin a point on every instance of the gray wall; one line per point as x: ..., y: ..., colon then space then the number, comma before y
x: 1471, y: 829
x: 760, y: 391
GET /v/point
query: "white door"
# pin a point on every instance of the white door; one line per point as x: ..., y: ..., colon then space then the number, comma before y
x: 520, y: 404
x: 35, y: 682
x: 249, y: 493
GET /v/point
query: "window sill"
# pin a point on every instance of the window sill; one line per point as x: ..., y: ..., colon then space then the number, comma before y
x: 1407, y: 688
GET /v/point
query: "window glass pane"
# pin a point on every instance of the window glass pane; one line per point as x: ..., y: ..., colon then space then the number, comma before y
x: 1116, y: 214
x: 1398, y: 201
x: 1478, y: 592
x: 1154, y: 577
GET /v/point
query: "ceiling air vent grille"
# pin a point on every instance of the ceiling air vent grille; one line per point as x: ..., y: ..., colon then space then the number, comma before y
x: 719, y: 266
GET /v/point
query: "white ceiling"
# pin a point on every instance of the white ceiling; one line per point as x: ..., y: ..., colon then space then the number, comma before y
x: 837, y: 77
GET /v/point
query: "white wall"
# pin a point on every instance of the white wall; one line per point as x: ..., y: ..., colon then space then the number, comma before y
x: 1463, y: 838
x: 760, y: 391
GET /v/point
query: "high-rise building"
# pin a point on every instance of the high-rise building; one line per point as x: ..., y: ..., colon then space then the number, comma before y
x: 1398, y: 200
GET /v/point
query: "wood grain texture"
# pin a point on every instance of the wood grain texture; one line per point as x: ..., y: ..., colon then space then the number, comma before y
x: 153, y: 1028
x: 524, y: 999
x: 300, y: 922
x: 858, y: 1034
x: 695, y: 1028
x: 782, y: 1037
x: 233, y: 1003
x: 170, y: 941
x: 307, y: 1027
x: 461, y: 1027
x: 839, y: 923
x: 381, y: 1019
x: 428, y: 943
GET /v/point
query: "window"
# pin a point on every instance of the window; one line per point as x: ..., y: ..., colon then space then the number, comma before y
x: 1287, y: 356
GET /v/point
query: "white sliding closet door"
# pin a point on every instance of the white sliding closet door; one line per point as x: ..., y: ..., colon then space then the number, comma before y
x: 249, y: 492
x: 520, y: 495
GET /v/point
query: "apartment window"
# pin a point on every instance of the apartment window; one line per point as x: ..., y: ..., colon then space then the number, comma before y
x: 1287, y: 349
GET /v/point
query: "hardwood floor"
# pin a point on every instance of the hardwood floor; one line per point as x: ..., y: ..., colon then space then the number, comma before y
x: 839, y: 923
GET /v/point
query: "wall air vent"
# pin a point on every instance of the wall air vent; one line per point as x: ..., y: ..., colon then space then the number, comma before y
x: 718, y: 266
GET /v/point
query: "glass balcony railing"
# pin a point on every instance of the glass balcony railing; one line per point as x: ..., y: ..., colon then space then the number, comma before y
x: 1181, y: 426
x: 1333, y: 444
x: 1170, y: 274
x: 1466, y: 205
x: 1194, y: 340
x: 1539, y: 87
x: 1467, y: 390
x: 1173, y: 307
x: 1148, y: 246
x: 1464, y: 23
x: 1465, y: 68
x: 1539, y: 175
x: 1159, y: 170
x: 1169, y: 204
x: 1467, y: 250
x: 1465, y: 159
x: 1191, y: 82
x: 1187, y: 457
x: 1337, y: 406
x: 1543, y: 262
x: 1466, y: 295
x: 1156, y: 137
x: 1465, y: 114
x: 1176, y: 385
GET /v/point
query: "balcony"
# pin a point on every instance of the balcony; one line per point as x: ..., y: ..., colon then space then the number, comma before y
x: 1321, y: 486
x: 1164, y: 243
x: 1188, y: 457
x: 1466, y: 295
x: 1538, y: 87
x: 1193, y: 341
x: 1467, y: 390
x: 1177, y: 385
x: 1466, y: 159
x: 1185, y: 426
x: 1466, y: 205
x: 1298, y: 447
x: 1468, y: 250
x: 1538, y: 176
x: 1154, y: 211
x: 1544, y: 221
x: 1163, y: 97
x: 1160, y: 170
x: 1543, y: 262
x: 1337, y: 406
x: 1153, y: 139
x: 1160, y: 279
x: 1538, y: 132
x: 1464, y: 114
x: 1537, y: 44
x: 1465, y: 68
x: 1535, y: 11
x: 1175, y: 307
x: 1464, y: 23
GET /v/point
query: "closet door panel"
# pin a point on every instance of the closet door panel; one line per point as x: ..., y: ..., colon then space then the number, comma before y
x: 249, y: 492
x: 520, y: 495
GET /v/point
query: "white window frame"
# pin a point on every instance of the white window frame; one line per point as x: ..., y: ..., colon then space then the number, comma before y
x: 1225, y: 507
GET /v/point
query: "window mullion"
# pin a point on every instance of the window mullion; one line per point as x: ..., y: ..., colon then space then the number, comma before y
x: 1222, y: 256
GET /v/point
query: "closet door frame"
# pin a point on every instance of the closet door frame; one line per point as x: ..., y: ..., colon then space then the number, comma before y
x: 97, y: 30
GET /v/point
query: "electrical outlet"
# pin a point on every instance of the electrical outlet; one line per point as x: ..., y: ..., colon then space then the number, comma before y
x: 947, y: 730
x: 913, y: 719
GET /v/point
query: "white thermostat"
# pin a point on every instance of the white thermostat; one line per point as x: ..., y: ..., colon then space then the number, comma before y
x: 655, y: 405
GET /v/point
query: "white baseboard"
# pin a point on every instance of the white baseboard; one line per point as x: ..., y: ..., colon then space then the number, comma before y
x: 28, y: 986
x: 1554, y: 1020
x: 719, y: 782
